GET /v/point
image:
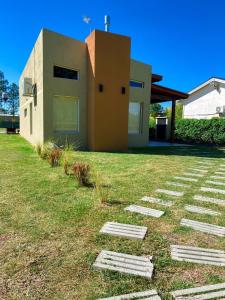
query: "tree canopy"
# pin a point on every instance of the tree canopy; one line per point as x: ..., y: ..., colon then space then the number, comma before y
x: 155, y: 109
x: 11, y: 105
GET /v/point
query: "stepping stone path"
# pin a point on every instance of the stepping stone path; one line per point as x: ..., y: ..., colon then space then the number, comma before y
x: 215, y: 182
x: 193, y: 174
x: 198, y: 255
x: 204, y: 227
x: 198, y: 170
x: 171, y: 193
x: 213, y: 291
x: 145, y: 211
x: 157, y: 201
x: 178, y: 184
x: 209, y: 199
x: 201, y: 210
x: 146, y: 295
x: 124, y: 230
x: 208, y: 163
x: 125, y: 263
x: 186, y: 179
x: 217, y: 177
x: 212, y: 190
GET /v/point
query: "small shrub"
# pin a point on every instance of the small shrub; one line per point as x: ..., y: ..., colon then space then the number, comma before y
x: 66, y: 158
x: 81, y: 172
x: 46, y: 150
x: 55, y: 156
x: 101, y: 189
x: 38, y: 149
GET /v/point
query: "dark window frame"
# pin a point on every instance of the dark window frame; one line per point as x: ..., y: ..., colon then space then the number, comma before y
x: 137, y: 84
x: 65, y: 73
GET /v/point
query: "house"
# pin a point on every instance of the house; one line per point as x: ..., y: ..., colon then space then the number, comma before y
x: 90, y: 93
x: 206, y: 100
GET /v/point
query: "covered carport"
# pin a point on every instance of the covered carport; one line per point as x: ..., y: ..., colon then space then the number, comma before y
x: 161, y: 94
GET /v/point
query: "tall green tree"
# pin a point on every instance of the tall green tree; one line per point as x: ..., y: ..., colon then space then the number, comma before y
x: 11, y: 106
x: 155, y: 109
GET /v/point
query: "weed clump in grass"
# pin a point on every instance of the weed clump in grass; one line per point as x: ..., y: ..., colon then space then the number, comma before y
x: 81, y: 172
x: 67, y: 157
x: 101, y: 190
x: 55, y: 156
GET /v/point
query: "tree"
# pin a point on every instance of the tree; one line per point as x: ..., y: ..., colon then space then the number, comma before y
x: 179, y: 111
x: 155, y: 109
x: 11, y: 106
x: 13, y: 101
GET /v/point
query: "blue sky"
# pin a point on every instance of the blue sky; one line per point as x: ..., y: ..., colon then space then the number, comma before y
x: 184, y: 40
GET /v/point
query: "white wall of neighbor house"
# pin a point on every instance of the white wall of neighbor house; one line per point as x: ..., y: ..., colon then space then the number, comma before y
x: 65, y: 100
x: 138, y: 128
x: 202, y: 104
x: 31, y: 112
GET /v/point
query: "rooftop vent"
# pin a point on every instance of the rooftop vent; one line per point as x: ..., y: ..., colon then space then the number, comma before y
x: 107, y: 23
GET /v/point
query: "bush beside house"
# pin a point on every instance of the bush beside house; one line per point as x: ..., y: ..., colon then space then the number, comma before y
x: 201, y: 131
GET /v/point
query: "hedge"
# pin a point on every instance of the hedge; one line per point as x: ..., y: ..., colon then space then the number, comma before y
x: 201, y: 131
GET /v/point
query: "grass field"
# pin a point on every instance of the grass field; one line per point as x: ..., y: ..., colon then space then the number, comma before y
x: 49, y: 227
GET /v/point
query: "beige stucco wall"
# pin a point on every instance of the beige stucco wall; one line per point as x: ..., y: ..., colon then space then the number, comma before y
x: 34, y: 70
x: 141, y: 72
x: 65, y: 52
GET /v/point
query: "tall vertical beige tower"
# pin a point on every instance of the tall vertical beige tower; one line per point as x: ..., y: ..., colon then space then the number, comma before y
x: 108, y: 90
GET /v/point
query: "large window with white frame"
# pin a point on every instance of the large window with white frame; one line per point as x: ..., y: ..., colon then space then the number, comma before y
x: 65, y: 114
x: 135, y: 118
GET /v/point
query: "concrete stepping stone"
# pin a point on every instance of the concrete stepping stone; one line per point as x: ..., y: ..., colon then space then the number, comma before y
x: 198, y: 255
x: 145, y: 211
x: 171, y: 193
x: 125, y: 263
x: 209, y: 199
x: 215, y: 182
x: 201, y: 210
x: 186, y: 178
x: 220, y: 173
x: 208, y: 163
x: 212, y: 190
x: 221, y: 169
x: 203, y: 227
x: 146, y: 295
x: 178, y: 184
x: 198, y: 170
x: 217, y: 177
x: 222, y: 166
x: 212, y: 291
x: 124, y: 230
x: 157, y: 201
x: 193, y: 174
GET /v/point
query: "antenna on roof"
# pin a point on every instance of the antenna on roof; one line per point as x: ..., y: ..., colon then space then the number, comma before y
x: 87, y: 20
x: 107, y: 23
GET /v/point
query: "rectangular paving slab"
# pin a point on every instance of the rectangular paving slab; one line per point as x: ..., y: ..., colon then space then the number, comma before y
x: 203, y: 227
x: 178, y: 184
x: 212, y: 190
x: 157, y: 201
x: 186, y: 178
x: 201, y: 210
x: 193, y: 174
x: 217, y: 177
x: 215, y: 182
x: 220, y: 173
x: 198, y: 170
x: 145, y: 211
x: 146, y: 295
x: 213, y: 291
x: 198, y: 255
x: 170, y: 193
x: 207, y: 163
x: 125, y: 263
x: 124, y: 230
x: 209, y: 199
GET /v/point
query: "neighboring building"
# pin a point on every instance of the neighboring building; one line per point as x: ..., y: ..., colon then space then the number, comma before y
x: 206, y: 100
x: 85, y: 92
x: 9, y: 123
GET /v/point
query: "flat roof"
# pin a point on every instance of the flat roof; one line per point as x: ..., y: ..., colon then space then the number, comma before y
x: 161, y: 93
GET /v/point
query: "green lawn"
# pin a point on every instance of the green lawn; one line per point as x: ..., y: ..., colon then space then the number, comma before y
x: 49, y: 227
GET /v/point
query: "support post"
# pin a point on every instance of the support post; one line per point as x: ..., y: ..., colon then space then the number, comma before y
x: 173, y: 113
